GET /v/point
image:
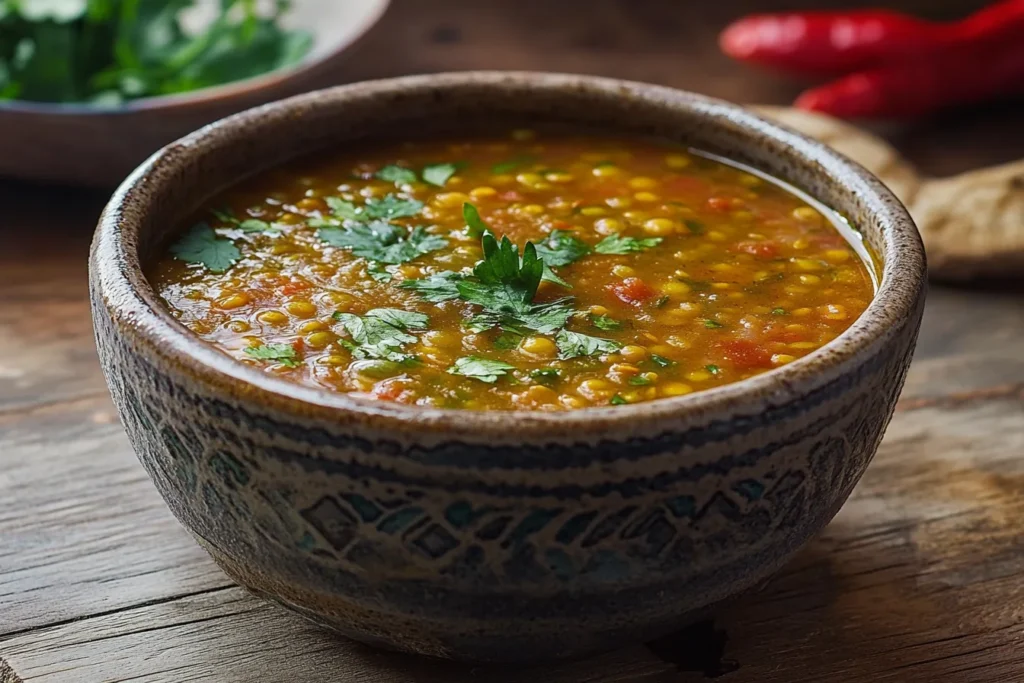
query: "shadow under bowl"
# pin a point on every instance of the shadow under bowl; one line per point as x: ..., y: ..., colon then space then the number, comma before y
x: 499, y: 536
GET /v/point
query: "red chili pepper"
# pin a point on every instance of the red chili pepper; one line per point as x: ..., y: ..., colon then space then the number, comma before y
x: 827, y: 43
x: 971, y: 74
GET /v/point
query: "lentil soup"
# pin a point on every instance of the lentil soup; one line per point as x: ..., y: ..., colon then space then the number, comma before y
x: 520, y: 272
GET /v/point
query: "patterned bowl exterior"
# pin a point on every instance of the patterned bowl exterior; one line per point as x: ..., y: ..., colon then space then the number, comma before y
x: 495, y: 536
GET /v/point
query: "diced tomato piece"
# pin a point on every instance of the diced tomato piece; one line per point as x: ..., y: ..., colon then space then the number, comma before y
x: 299, y: 345
x: 745, y: 354
x: 632, y: 290
x: 393, y: 389
x: 765, y: 249
x: 720, y: 203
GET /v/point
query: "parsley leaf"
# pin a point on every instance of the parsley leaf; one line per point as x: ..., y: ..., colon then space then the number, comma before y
x: 475, y: 226
x: 603, y: 322
x: 712, y: 324
x: 778, y: 311
x: 618, y: 401
x: 618, y: 244
x: 283, y: 353
x: 661, y: 361
x: 561, y: 248
x: 545, y: 375
x: 640, y: 381
x: 390, y: 206
x: 574, y: 344
x: 713, y: 369
x: 228, y: 217
x: 483, y: 369
x: 398, y: 175
x: 438, y: 174
x: 382, y: 332
x: 379, y: 273
x: 382, y: 242
x: 343, y: 209
x: 436, y: 288
x: 508, y: 340
x: 201, y: 245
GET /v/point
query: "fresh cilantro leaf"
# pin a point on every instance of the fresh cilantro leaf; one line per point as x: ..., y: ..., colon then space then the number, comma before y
x: 574, y: 344
x: 603, y: 322
x: 390, y: 207
x: 561, y: 247
x: 382, y: 332
x: 436, y: 288
x: 393, y: 173
x: 202, y: 245
x: 382, y: 242
x: 618, y: 244
x: 227, y: 216
x: 713, y: 369
x: 545, y: 375
x: 283, y: 353
x: 712, y: 324
x: 511, y: 164
x: 640, y: 381
x: 254, y: 225
x: 438, y: 174
x: 483, y: 369
x: 343, y: 209
x: 508, y: 340
x: 618, y: 401
x: 551, y: 276
x: 778, y: 311
x: 696, y: 227
x: 661, y: 361
x: 504, y: 284
x: 475, y: 226
x: 379, y: 273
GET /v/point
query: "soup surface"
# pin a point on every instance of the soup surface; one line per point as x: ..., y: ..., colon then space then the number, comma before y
x: 527, y: 271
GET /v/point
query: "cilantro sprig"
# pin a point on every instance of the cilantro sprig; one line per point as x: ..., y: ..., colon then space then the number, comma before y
x: 202, y: 245
x: 483, y: 369
x: 620, y: 244
x: 433, y: 174
x: 574, y: 344
x: 382, y: 333
x: 284, y: 354
x: 382, y: 242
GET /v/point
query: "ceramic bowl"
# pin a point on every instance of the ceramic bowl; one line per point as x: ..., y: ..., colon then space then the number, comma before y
x: 99, y: 146
x: 501, y: 536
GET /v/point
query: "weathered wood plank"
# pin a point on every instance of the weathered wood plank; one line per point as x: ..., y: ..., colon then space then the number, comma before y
x: 919, y: 578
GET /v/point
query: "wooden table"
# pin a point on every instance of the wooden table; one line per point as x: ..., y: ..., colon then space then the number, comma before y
x: 919, y: 578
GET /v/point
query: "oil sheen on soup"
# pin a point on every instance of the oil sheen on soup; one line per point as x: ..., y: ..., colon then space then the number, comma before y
x: 523, y: 271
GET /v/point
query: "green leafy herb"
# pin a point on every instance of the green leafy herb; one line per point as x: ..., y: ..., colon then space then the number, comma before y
x: 696, y: 227
x: 504, y: 286
x: 603, y: 322
x: 475, y: 226
x: 436, y: 288
x: 228, y: 217
x: 508, y: 340
x: 107, y: 51
x: 382, y: 332
x: 390, y: 207
x: 551, y: 276
x: 511, y: 164
x: 382, y: 242
x: 640, y: 381
x: 712, y: 324
x: 713, y: 369
x: 617, y: 400
x: 282, y: 353
x: 618, y: 244
x: 396, y: 174
x: 483, y: 369
x: 202, y: 245
x: 661, y: 361
x: 545, y: 375
x: 561, y: 248
x: 379, y: 273
x: 574, y: 344
x: 778, y: 311
x: 438, y: 174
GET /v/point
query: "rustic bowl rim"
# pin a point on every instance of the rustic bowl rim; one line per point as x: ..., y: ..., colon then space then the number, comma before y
x: 122, y: 287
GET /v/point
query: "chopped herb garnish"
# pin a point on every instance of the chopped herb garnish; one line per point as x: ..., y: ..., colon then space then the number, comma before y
x: 574, y: 345
x: 438, y: 174
x: 508, y: 340
x: 248, y: 225
x: 661, y: 361
x: 712, y: 324
x: 511, y: 164
x: 618, y: 244
x: 778, y: 311
x: 545, y: 375
x: 603, y: 322
x: 282, y: 353
x: 617, y: 400
x: 390, y: 207
x: 382, y: 332
x: 436, y: 288
x: 382, y: 242
x: 713, y: 369
x: 640, y: 380
x: 475, y: 226
x: 379, y: 273
x: 202, y: 245
x: 483, y: 369
x: 396, y: 174
x: 561, y: 248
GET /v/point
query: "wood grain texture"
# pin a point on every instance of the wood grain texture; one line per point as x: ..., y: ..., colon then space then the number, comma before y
x: 919, y: 579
